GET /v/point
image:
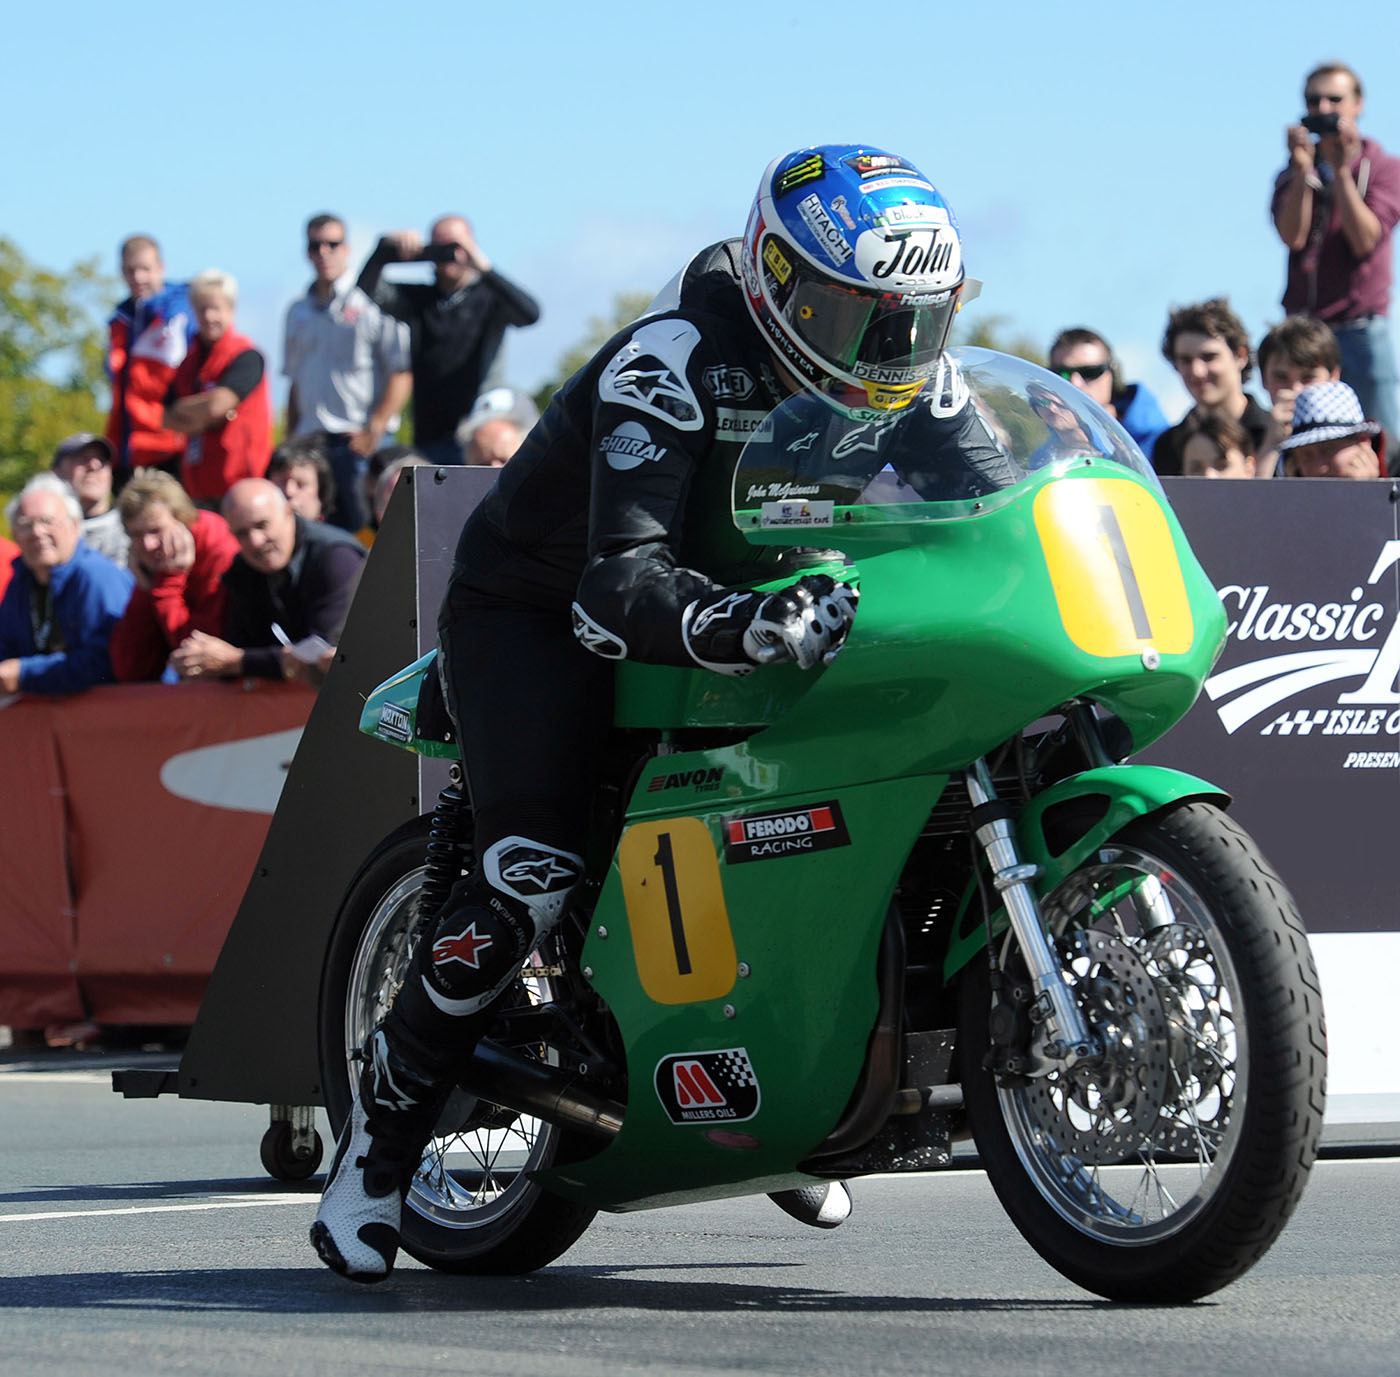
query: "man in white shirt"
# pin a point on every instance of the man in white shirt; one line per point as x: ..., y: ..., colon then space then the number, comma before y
x: 348, y: 363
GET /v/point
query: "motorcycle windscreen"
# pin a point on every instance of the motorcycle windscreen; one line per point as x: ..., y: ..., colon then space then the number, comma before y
x: 969, y: 440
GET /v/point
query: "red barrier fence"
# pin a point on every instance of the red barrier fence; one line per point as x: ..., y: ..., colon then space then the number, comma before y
x: 130, y: 822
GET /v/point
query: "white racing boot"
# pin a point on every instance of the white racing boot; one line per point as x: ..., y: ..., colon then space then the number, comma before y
x: 356, y: 1232
x: 825, y: 1205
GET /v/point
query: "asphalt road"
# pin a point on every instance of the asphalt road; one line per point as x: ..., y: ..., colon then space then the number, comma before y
x: 141, y: 1237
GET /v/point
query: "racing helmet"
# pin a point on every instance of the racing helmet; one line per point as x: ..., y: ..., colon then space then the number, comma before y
x: 853, y: 272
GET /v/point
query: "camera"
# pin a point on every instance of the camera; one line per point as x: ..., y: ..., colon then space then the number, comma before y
x: 441, y: 253
x: 1321, y: 124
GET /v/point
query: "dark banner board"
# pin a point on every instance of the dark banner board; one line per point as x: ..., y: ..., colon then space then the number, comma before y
x: 1300, y: 718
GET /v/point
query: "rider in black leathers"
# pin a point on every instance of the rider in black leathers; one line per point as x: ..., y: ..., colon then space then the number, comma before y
x: 589, y: 549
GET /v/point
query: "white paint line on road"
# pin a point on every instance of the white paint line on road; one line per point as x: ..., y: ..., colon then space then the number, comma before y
x: 57, y: 1077
x: 298, y: 1198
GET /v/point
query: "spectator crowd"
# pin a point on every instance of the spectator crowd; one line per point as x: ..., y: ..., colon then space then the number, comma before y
x: 180, y: 544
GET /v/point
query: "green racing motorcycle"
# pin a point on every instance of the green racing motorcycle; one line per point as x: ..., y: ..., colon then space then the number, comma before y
x: 837, y: 921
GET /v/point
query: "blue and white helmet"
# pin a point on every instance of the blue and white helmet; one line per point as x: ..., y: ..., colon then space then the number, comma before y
x: 853, y: 271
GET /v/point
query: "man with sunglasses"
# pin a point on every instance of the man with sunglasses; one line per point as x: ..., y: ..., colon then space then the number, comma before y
x: 1335, y: 206
x: 1082, y: 357
x: 348, y: 364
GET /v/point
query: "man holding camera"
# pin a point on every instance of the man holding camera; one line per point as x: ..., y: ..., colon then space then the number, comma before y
x: 456, y: 324
x: 1335, y: 205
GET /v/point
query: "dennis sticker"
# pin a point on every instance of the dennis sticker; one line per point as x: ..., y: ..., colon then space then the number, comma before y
x: 793, y: 832
x: 708, y: 1087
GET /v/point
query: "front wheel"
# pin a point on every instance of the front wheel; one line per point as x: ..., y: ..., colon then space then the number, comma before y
x: 1165, y: 1166
x: 472, y: 1206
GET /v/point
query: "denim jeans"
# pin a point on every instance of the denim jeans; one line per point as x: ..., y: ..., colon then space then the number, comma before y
x: 349, y: 469
x: 1368, y: 367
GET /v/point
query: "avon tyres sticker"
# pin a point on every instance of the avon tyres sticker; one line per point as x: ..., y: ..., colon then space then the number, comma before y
x: 792, y: 832
x: 708, y: 1087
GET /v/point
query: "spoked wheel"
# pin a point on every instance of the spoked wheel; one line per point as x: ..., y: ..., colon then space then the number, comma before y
x: 1164, y: 1166
x: 472, y: 1206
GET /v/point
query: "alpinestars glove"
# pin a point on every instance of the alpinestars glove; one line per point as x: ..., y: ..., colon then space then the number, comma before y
x: 806, y: 622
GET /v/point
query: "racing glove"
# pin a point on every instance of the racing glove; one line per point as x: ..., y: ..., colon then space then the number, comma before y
x: 806, y: 622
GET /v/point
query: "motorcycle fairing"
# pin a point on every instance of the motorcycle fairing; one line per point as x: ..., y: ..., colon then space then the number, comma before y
x: 763, y: 988
x: 407, y: 711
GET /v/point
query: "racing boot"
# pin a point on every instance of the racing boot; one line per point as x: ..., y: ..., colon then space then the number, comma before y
x: 823, y: 1205
x: 356, y: 1232
x: 470, y: 955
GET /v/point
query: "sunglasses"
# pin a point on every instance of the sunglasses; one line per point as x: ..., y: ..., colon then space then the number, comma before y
x: 312, y: 245
x: 1090, y: 372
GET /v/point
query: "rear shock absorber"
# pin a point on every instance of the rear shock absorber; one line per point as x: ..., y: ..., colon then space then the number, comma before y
x: 447, y: 846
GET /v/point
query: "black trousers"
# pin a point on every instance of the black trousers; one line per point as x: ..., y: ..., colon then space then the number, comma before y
x: 532, y: 709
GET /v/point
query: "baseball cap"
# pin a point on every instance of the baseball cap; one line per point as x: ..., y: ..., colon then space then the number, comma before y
x: 498, y: 404
x: 1327, y: 411
x: 76, y: 444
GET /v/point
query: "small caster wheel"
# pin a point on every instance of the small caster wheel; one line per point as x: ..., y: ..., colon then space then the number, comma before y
x: 281, y: 1161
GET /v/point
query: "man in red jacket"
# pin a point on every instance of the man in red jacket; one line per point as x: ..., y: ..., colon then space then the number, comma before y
x: 179, y: 556
x: 148, y: 336
x: 219, y: 397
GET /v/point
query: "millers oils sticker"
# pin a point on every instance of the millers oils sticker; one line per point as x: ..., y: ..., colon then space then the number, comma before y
x: 793, y: 832
x: 708, y: 1087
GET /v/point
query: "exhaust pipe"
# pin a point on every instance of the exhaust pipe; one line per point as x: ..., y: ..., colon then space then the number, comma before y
x: 544, y: 1092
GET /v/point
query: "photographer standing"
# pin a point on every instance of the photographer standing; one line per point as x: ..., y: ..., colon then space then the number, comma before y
x: 1335, y: 205
x: 456, y: 324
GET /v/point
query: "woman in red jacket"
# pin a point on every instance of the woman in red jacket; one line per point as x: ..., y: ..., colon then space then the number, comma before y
x: 178, y: 555
x: 219, y: 397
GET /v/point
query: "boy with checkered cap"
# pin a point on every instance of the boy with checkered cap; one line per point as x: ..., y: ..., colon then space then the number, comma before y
x: 1331, y: 436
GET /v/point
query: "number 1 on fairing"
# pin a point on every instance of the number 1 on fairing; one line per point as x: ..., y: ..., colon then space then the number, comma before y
x: 666, y: 862
x: 674, y: 895
x: 1108, y: 524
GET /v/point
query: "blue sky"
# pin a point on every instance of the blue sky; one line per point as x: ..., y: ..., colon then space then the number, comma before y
x: 1105, y: 161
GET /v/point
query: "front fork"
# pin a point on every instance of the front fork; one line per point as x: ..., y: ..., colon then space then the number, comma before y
x: 1070, y: 1039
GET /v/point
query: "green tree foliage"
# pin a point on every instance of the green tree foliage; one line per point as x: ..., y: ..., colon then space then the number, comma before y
x: 51, y: 359
x: 627, y: 306
x: 997, y: 332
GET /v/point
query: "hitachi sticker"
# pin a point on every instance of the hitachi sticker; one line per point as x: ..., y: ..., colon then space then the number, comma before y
x: 792, y: 832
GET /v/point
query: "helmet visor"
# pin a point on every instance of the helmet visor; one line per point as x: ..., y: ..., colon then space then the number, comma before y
x: 884, y: 337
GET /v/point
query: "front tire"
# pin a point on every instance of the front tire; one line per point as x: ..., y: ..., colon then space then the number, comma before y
x: 472, y: 1207
x: 1167, y: 1167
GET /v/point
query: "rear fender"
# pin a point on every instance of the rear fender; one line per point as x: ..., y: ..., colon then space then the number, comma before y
x: 1062, y: 827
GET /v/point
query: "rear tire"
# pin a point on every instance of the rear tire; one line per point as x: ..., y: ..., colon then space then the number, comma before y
x: 472, y: 1207
x: 1167, y: 1169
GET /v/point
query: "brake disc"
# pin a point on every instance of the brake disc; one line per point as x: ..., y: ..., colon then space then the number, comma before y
x: 1204, y: 1052
x: 1107, y: 1107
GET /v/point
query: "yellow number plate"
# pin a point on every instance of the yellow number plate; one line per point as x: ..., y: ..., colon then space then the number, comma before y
x: 681, y: 936
x: 1113, y: 566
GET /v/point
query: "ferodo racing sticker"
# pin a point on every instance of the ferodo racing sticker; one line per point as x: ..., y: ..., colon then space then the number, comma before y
x: 791, y: 832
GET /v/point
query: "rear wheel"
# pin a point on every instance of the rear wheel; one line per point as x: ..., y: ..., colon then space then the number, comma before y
x: 472, y: 1206
x: 1165, y: 1167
